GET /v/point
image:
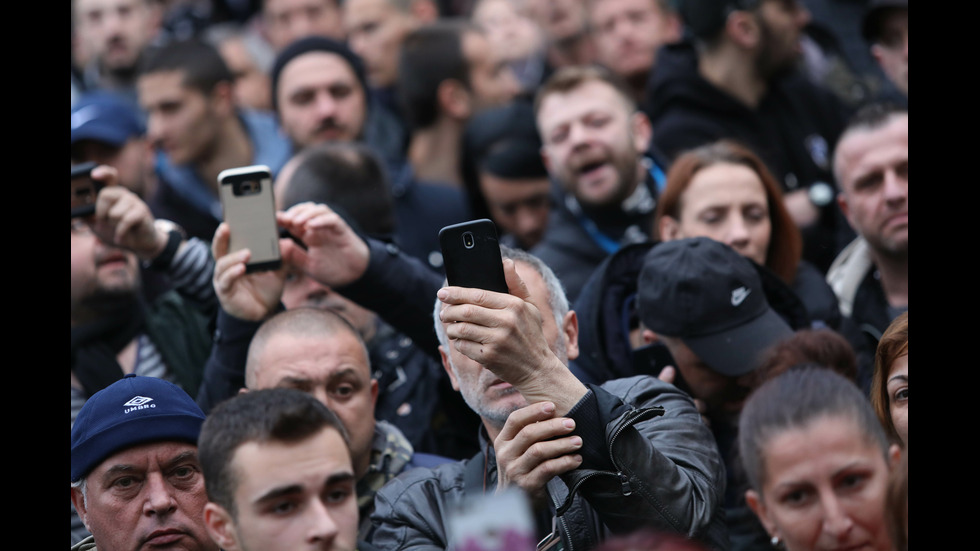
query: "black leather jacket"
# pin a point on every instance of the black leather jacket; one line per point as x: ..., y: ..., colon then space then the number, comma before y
x: 648, y: 460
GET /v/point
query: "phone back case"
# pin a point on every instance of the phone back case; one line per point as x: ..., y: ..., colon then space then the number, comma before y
x: 471, y: 255
x: 251, y: 215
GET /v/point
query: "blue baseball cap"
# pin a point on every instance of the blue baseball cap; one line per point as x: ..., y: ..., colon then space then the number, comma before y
x: 105, y: 117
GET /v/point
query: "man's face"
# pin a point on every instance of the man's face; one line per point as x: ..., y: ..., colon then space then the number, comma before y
x: 289, y: 20
x: 115, y: 31
x: 488, y: 395
x: 147, y: 497
x: 561, y: 20
x: 520, y: 206
x: 722, y: 394
x: 98, y: 271
x: 320, y: 100
x: 592, y: 142
x: 181, y: 121
x: 629, y: 33
x: 335, y: 370
x: 781, y: 24
x: 293, y: 495
x: 892, y: 48
x: 509, y: 28
x: 873, y: 174
x: 492, y: 82
x: 375, y: 31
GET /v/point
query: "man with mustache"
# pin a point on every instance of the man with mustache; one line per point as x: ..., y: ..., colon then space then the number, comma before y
x: 108, y: 41
x: 595, y: 141
x: 320, y: 94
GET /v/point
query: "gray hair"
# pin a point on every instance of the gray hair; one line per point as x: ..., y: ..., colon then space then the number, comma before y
x: 82, y: 487
x: 557, y: 300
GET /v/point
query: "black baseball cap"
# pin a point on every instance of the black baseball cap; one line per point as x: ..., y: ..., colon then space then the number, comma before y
x: 703, y: 292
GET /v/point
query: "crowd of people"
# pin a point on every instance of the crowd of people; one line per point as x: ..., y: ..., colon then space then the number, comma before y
x: 702, y: 209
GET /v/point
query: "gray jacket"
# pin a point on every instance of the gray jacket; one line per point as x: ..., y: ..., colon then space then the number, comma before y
x: 648, y: 460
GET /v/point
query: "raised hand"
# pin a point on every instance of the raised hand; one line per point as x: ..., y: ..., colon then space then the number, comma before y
x: 123, y: 220
x: 252, y: 297
x: 335, y: 255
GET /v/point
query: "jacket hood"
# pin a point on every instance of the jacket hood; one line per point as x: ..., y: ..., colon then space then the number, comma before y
x: 676, y: 82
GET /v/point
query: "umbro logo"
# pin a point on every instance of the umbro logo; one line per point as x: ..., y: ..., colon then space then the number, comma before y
x: 138, y: 403
x: 739, y: 295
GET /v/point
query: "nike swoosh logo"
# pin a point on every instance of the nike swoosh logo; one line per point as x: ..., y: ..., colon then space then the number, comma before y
x: 739, y: 295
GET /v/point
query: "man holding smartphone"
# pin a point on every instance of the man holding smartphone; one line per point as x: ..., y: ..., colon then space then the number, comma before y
x: 546, y: 433
x: 543, y: 431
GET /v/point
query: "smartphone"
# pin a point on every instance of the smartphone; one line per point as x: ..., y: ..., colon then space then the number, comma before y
x: 250, y: 211
x: 471, y: 255
x: 84, y: 190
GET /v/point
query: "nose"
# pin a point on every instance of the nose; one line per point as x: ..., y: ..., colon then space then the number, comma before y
x: 326, y: 107
x: 896, y: 188
x: 155, y: 128
x: 836, y: 522
x: 738, y: 233
x: 322, y: 528
x: 159, y: 497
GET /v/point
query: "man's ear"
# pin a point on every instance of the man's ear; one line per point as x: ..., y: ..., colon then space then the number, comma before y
x: 642, y: 131
x: 569, y: 332
x: 448, y: 366
x: 78, y: 500
x: 742, y: 28
x: 374, y: 392
x: 754, y: 501
x: 223, y: 99
x: 220, y: 526
x: 844, y: 208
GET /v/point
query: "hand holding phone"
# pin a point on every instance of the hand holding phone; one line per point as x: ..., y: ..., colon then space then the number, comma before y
x: 249, y: 210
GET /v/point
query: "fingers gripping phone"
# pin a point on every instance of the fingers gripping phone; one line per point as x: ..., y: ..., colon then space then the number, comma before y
x: 471, y: 255
x: 250, y: 211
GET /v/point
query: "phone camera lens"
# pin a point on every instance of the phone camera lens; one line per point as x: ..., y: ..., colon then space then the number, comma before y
x: 468, y: 240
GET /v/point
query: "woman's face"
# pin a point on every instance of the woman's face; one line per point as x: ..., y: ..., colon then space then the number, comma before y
x: 824, y: 488
x: 727, y: 203
x: 898, y: 396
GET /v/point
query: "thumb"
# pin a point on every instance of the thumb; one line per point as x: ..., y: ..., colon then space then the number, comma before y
x: 667, y: 374
x: 515, y: 285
